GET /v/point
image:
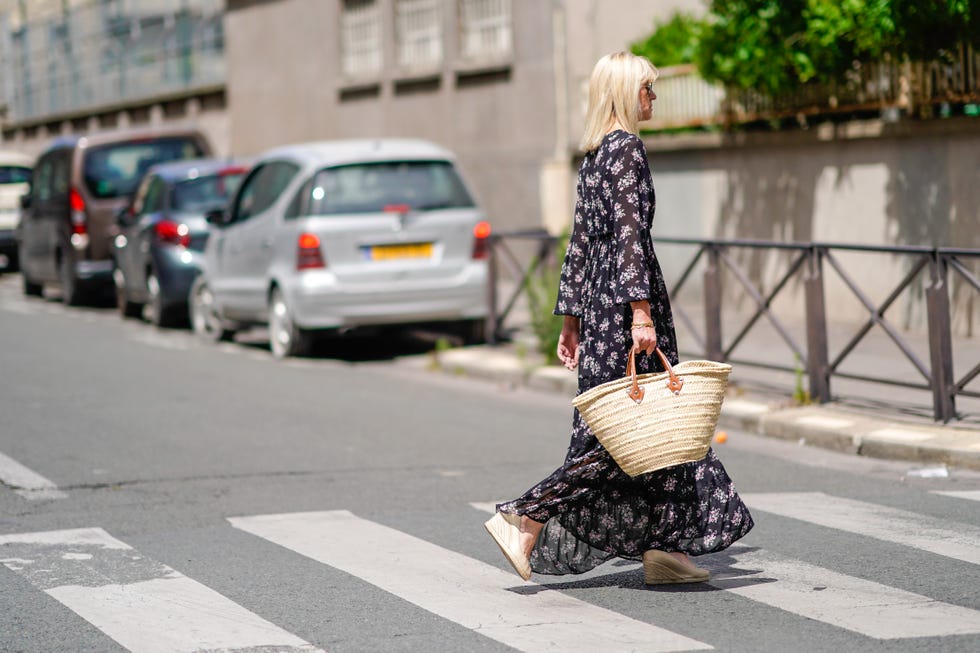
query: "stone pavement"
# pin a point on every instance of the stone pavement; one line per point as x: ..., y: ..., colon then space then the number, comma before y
x: 874, y: 427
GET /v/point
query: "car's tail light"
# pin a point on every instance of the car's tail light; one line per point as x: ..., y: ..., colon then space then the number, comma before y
x: 481, y: 240
x: 308, y: 255
x: 79, y: 221
x: 173, y: 233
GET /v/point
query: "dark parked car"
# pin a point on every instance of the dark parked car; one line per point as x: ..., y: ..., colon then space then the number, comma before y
x: 162, y: 234
x: 78, y: 186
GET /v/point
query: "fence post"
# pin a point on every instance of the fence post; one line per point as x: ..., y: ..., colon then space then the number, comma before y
x: 712, y: 304
x: 817, y: 360
x: 940, y: 340
x: 492, y: 325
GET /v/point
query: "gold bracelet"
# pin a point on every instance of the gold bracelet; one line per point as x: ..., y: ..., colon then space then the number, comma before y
x: 642, y: 325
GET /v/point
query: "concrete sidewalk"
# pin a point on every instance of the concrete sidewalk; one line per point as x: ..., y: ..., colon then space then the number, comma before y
x: 871, y: 430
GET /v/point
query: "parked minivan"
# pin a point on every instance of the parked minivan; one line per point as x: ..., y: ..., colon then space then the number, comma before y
x: 78, y: 187
x: 15, y: 176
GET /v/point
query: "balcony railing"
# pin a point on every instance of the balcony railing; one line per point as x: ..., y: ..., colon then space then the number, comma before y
x: 916, y: 88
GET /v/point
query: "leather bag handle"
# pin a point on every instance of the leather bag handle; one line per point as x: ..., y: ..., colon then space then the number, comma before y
x: 674, y: 383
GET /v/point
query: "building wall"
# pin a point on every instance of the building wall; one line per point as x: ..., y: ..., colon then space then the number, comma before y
x: 880, y: 185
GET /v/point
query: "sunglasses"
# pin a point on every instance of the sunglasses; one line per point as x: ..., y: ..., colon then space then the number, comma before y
x: 649, y: 87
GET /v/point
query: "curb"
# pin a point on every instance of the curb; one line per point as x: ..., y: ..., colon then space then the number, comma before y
x: 827, y: 426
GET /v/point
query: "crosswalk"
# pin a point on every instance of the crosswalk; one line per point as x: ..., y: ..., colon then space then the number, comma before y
x: 145, y: 605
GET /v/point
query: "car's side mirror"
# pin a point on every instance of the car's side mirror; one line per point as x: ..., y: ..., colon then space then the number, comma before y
x: 217, y: 217
x: 25, y: 201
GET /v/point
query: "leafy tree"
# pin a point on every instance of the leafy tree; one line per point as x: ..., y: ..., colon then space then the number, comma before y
x: 673, y: 42
x: 775, y: 45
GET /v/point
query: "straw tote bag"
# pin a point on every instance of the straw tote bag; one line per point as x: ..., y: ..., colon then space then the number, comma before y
x: 658, y: 420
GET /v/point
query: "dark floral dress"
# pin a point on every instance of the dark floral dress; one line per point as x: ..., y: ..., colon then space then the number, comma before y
x: 592, y: 510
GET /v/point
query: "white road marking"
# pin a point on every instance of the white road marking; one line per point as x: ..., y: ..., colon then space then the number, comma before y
x: 26, y: 482
x: 460, y: 589
x: 837, y: 599
x: 855, y: 604
x: 142, y: 604
x: 962, y: 541
x: 972, y: 495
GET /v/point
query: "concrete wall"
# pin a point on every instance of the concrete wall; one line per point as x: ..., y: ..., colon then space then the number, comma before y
x: 872, y: 183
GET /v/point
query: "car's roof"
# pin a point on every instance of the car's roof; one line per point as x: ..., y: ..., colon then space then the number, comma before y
x: 119, y: 136
x: 14, y: 158
x: 339, y: 152
x: 175, y: 171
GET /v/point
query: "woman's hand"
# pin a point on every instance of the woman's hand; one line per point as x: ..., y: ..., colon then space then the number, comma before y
x: 568, y: 342
x: 645, y: 339
x: 644, y: 335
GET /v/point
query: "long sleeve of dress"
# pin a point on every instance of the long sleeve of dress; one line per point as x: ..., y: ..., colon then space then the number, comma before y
x: 631, y: 223
x: 573, y: 268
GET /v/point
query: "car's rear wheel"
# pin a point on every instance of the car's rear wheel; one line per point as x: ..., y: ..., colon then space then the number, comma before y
x: 205, y: 321
x: 32, y: 289
x: 285, y: 338
x: 71, y: 290
x: 474, y: 332
x: 126, y: 307
x: 155, y: 311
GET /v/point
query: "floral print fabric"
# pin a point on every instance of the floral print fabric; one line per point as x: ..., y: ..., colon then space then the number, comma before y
x: 592, y: 510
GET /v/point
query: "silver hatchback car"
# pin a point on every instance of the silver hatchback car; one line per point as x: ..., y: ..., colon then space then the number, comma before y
x: 340, y: 235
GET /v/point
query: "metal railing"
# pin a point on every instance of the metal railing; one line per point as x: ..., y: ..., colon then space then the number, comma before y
x: 101, y: 54
x: 804, y: 267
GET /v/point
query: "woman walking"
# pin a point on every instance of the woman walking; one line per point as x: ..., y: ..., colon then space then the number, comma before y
x: 613, y: 296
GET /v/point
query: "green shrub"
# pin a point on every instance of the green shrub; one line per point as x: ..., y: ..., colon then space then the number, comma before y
x: 542, y: 293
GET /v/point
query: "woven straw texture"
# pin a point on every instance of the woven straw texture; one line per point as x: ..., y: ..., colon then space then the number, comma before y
x: 664, y: 429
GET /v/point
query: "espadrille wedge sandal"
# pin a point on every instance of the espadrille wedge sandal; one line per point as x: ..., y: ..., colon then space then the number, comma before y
x: 505, y: 530
x: 659, y: 567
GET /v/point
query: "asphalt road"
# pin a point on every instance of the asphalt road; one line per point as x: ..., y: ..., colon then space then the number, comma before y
x: 151, y: 485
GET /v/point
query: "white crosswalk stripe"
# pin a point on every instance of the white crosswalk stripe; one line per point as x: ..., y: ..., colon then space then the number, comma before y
x: 859, y: 605
x: 458, y: 588
x: 871, y: 520
x: 135, y: 600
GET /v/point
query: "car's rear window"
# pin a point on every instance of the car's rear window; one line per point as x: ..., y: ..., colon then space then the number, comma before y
x: 373, y: 187
x: 207, y: 193
x: 115, y: 170
x: 15, y: 175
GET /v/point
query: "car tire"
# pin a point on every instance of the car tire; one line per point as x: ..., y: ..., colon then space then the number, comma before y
x: 155, y: 311
x: 71, y: 291
x: 32, y: 289
x: 473, y: 332
x: 126, y: 307
x: 205, y: 321
x: 285, y: 338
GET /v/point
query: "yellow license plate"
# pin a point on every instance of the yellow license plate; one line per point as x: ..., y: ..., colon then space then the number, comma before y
x: 409, y: 250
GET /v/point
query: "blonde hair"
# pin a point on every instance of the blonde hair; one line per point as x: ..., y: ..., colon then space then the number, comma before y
x: 614, y: 94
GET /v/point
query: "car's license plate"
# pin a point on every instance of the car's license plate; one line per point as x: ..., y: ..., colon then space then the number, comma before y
x: 407, y: 250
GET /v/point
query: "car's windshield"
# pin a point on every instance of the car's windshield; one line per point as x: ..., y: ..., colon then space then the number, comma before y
x: 373, y: 187
x: 14, y: 175
x: 115, y: 170
x: 207, y: 193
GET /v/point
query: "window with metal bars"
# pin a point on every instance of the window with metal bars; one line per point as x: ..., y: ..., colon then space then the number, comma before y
x: 360, y: 39
x: 418, y: 30
x: 485, y: 30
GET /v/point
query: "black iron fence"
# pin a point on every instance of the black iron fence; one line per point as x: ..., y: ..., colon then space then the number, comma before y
x: 930, y: 273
